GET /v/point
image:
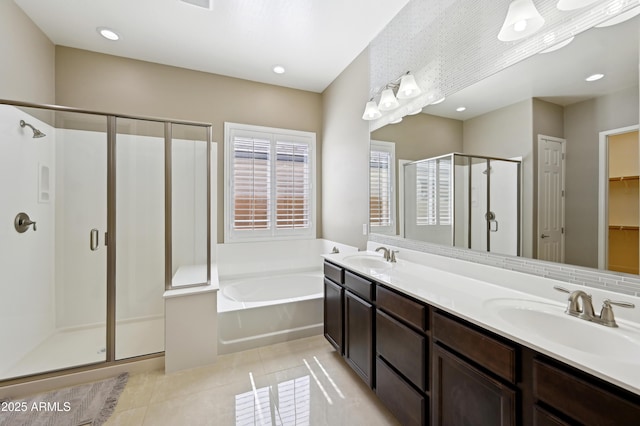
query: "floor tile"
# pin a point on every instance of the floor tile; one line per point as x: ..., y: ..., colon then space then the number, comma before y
x: 302, y: 382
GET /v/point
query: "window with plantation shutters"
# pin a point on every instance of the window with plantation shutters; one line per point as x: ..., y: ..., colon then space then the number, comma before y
x: 269, y: 190
x: 381, y: 185
x: 433, y: 192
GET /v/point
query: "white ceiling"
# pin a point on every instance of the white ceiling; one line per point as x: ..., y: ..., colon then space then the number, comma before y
x: 315, y: 40
x: 557, y: 77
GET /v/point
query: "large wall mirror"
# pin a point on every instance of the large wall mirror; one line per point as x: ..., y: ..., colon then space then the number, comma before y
x: 577, y: 142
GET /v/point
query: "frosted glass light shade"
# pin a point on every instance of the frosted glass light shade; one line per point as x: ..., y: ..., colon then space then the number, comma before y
x: 573, y: 4
x: 408, y: 87
x: 388, y: 101
x: 371, y: 111
x: 522, y: 20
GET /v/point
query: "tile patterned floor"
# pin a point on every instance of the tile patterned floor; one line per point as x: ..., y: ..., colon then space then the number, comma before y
x: 302, y: 382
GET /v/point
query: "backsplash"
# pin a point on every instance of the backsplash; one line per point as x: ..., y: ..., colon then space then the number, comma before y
x: 604, y: 280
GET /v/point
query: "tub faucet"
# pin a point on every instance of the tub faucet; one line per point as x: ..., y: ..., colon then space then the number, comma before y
x: 385, y: 252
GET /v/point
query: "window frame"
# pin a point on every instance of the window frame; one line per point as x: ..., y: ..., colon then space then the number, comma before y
x: 389, y: 147
x: 274, y: 135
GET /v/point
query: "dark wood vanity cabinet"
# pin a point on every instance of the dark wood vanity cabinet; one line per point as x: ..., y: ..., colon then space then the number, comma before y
x: 466, y: 395
x: 428, y: 366
x: 577, y: 398
x: 402, y: 356
x: 358, y: 326
x: 334, y: 306
x: 334, y: 314
x: 474, y: 376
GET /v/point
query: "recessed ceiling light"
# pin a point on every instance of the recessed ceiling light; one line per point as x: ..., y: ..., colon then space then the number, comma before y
x: 460, y: 109
x: 107, y: 33
x: 594, y: 77
x: 438, y: 101
x: 278, y: 69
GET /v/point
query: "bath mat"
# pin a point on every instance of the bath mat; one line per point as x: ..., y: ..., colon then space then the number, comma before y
x: 88, y: 404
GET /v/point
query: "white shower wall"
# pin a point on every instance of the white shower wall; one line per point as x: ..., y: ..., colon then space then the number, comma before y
x: 26, y: 260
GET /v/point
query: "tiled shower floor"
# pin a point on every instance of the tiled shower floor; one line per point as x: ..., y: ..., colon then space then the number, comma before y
x: 71, y: 348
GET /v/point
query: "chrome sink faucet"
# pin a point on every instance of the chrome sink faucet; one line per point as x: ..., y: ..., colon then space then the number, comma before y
x: 580, y: 305
x: 385, y: 253
x: 389, y: 255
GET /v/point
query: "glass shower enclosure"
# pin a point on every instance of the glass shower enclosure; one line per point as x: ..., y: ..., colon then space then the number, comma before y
x: 464, y: 201
x: 98, y: 211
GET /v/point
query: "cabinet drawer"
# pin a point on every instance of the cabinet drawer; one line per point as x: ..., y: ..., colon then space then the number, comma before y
x: 579, y: 399
x: 360, y: 286
x: 408, y: 405
x: 334, y: 273
x: 402, y: 307
x: 496, y: 356
x: 403, y: 348
x: 544, y: 418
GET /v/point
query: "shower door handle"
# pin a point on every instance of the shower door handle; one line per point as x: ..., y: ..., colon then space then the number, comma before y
x: 491, y: 219
x: 94, y: 240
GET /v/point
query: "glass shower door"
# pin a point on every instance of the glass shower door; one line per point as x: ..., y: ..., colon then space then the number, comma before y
x: 503, y: 217
x: 140, y: 225
x: 53, y: 304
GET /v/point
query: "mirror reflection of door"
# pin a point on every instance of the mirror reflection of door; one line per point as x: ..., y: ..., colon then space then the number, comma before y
x: 551, y: 157
x: 623, y: 202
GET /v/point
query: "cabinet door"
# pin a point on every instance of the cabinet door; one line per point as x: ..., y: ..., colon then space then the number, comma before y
x: 333, y: 314
x: 358, y: 339
x: 463, y: 395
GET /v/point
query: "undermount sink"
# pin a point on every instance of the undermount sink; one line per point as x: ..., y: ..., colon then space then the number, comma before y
x: 548, y: 321
x: 370, y: 261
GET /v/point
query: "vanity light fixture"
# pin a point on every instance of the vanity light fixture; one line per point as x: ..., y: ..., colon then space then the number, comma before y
x: 625, y: 16
x: 461, y: 108
x: 522, y: 20
x: 565, y: 5
x: 438, y: 101
x: 108, y: 33
x: 388, y: 100
x: 594, y: 77
x: 371, y: 111
x: 403, y: 88
x: 556, y: 46
x: 278, y: 69
x: 408, y: 87
x: 416, y: 111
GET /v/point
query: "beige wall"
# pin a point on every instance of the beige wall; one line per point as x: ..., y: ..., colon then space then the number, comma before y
x: 583, y: 122
x: 345, y: 155
x: 107, y: 83
x: 28, y: 58
x: 506, y: 133
x: 420, y: 136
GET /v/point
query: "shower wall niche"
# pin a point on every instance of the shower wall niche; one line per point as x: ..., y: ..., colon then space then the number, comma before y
x: 85, y: 284
x: 464, y: 201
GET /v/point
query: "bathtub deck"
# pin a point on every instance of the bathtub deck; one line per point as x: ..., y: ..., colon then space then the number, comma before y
x: 249, y: 325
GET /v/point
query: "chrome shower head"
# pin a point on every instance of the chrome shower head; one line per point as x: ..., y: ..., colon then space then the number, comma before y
x: 36, y: 133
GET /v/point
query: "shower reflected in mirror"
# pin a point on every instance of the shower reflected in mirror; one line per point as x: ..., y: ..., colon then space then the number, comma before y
x: 36, y: 133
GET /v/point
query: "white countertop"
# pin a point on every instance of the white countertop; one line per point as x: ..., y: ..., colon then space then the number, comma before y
x: 477, y: 301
